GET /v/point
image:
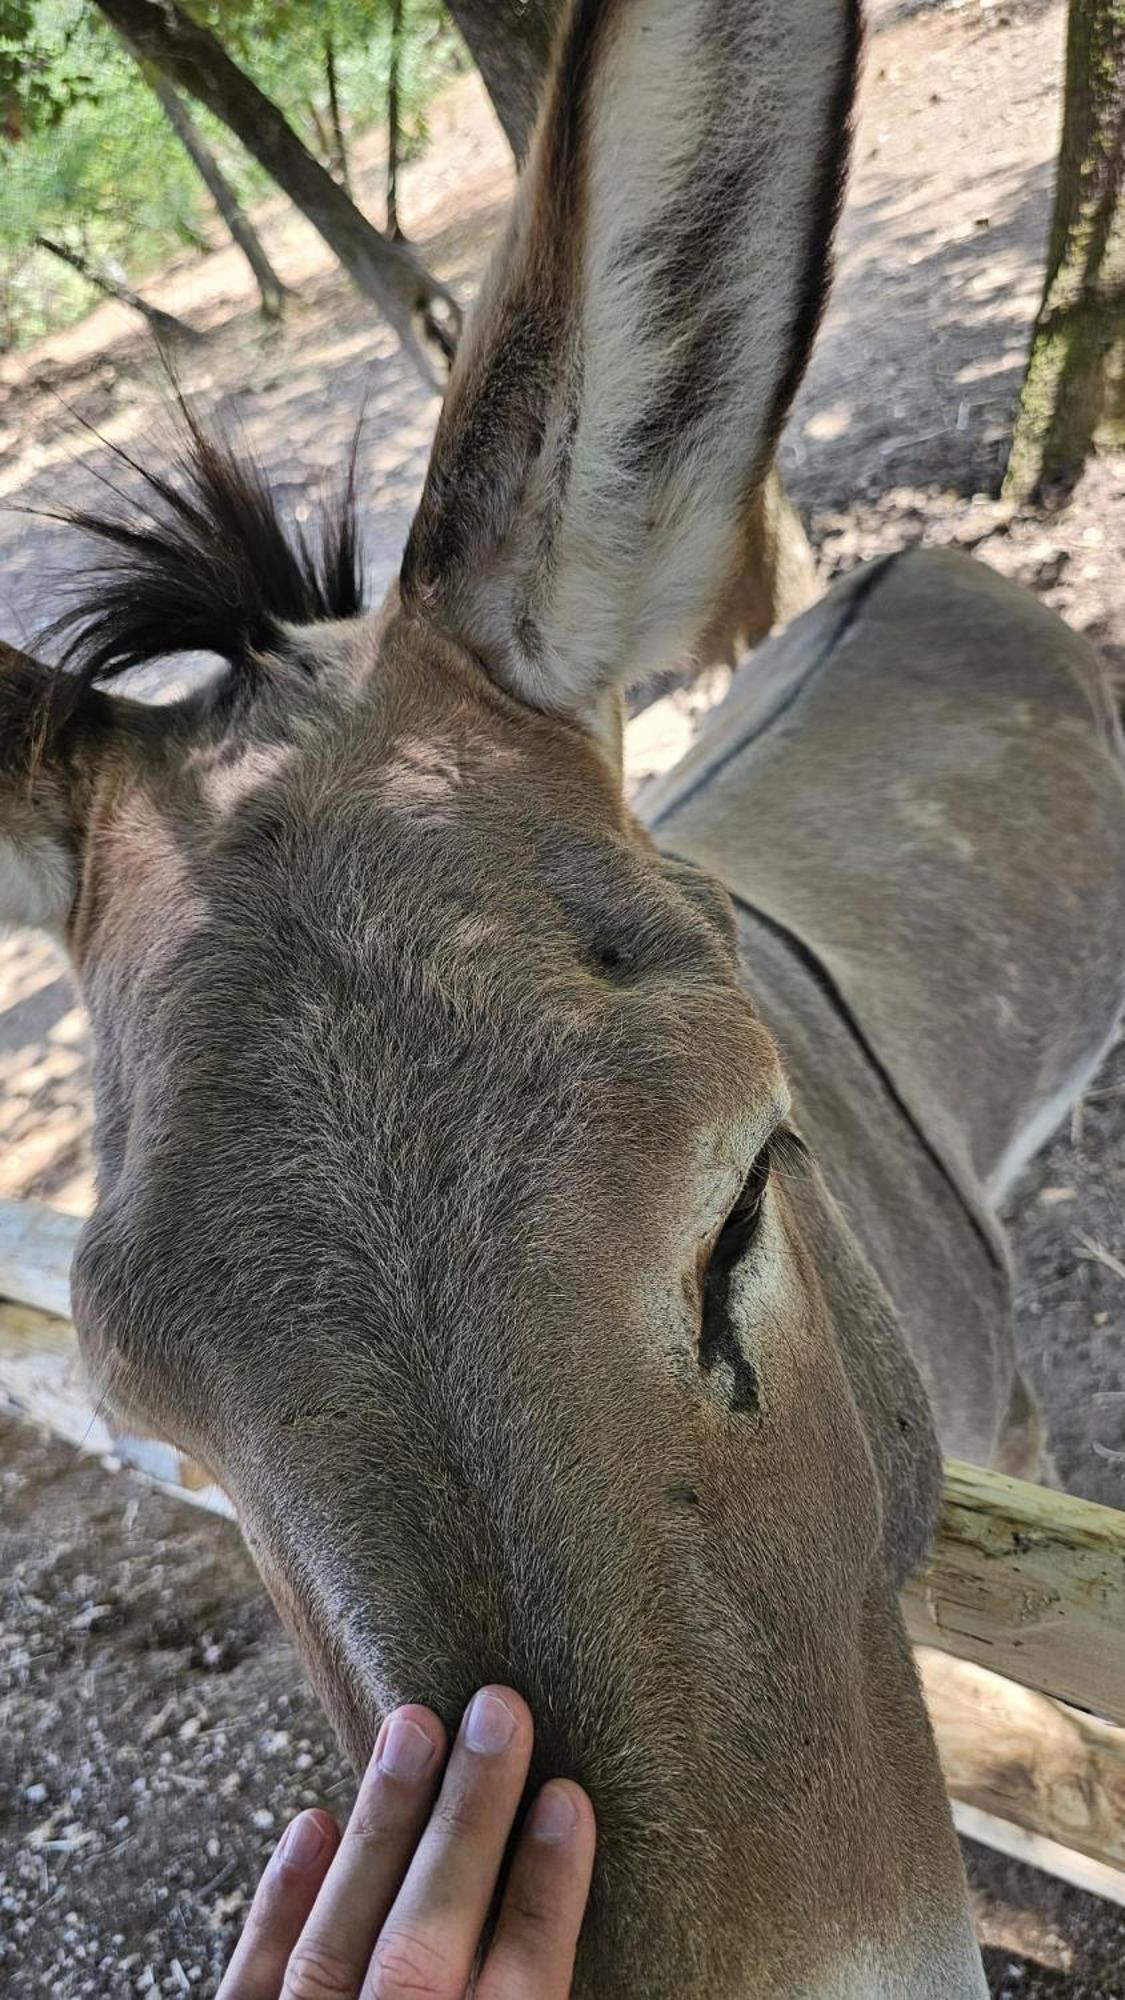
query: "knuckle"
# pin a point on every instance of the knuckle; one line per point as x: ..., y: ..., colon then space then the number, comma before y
x: 316, y: 1972
x: 368, y: 1824
x: 405, y: 1967
x: 462, y: 1816
x: 384, y: 1806
x: 529, y: 1913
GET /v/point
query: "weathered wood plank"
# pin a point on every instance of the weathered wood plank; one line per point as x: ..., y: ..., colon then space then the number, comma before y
x: 1065, y: 1862
x: 1023, y: 1757
x: 36, y: 1247
x: 1030, y: 1583
x: 42, y: 1378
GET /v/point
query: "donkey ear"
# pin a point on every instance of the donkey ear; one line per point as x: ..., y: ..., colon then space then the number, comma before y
x: 38, y: 829
x: 620, y: 390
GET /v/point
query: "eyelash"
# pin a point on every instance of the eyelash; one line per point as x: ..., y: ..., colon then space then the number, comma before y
x: 737, y: 1232
x: 716, y: 1337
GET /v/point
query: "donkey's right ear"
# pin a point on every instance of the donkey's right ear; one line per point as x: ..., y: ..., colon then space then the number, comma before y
x: 621, y: 386
x: 40, y: 797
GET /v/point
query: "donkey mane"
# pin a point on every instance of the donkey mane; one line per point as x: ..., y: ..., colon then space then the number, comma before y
x: 210, y: 565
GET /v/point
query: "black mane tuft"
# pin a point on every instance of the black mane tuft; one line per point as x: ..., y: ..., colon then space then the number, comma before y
x: 210, y: 566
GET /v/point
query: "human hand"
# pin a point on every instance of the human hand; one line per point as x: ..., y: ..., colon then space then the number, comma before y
x: 395, y: 1906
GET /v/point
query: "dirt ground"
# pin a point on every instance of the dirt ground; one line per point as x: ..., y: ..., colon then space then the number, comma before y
x: 156, y: 1731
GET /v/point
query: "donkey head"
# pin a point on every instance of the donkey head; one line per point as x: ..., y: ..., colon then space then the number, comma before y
x: 447, y: 1208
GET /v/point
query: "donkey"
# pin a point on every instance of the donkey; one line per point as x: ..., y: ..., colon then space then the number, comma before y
x: 567, y: 1238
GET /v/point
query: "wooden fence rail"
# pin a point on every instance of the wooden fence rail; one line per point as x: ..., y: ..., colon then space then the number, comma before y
x: 1018, y: 1616
x: 1030, y: 1583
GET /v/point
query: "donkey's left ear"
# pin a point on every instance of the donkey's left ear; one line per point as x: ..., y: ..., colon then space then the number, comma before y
x: 620, y: 389
x: 40, y: 798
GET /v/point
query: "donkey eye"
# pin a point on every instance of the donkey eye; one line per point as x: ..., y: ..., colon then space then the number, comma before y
x: 737, y: 1232
x: 717, y: 1338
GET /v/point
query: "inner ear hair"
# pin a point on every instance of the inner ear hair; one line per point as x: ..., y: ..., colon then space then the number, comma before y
x: 47, y: 714
x: 33, y: 713
x: 56, y: 735
x: 37, y: 847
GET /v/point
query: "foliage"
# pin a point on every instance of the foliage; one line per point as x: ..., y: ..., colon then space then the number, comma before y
x: 42, y: 66
x: 282, y: 44
x: 87, y: 154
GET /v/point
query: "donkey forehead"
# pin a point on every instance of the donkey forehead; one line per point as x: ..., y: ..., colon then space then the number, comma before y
x: 413, y: 801
x: 428, y: 903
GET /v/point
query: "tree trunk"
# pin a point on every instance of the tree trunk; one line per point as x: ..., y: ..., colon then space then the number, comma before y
x: 394, y: 229
x: 339, y: 145
x: 510, y: 41
x: 323, y: 142
x: 165, y: 327
x: 270, y: 287
x: 1074, y: 389
x: 390, y: 273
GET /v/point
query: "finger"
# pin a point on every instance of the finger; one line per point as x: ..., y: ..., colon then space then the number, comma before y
x: 532, y: 1955
x: 431, y: 1937
x: 282, y: 1901
x: 390, y: 1811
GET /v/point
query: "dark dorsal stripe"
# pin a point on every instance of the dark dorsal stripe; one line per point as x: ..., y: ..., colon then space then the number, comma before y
x: 823, y: 979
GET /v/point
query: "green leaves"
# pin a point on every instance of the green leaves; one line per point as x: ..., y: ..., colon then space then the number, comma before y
x: 45, y: 64
x: 87, y: 154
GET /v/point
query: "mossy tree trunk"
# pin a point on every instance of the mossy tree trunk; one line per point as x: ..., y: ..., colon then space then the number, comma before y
x: 1074, y: 390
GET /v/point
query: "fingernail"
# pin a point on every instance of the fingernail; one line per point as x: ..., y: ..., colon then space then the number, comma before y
x: 302, y: 1843
x: 553, y: 1816
x: 406, y: 1751
x: 489, y: 1724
